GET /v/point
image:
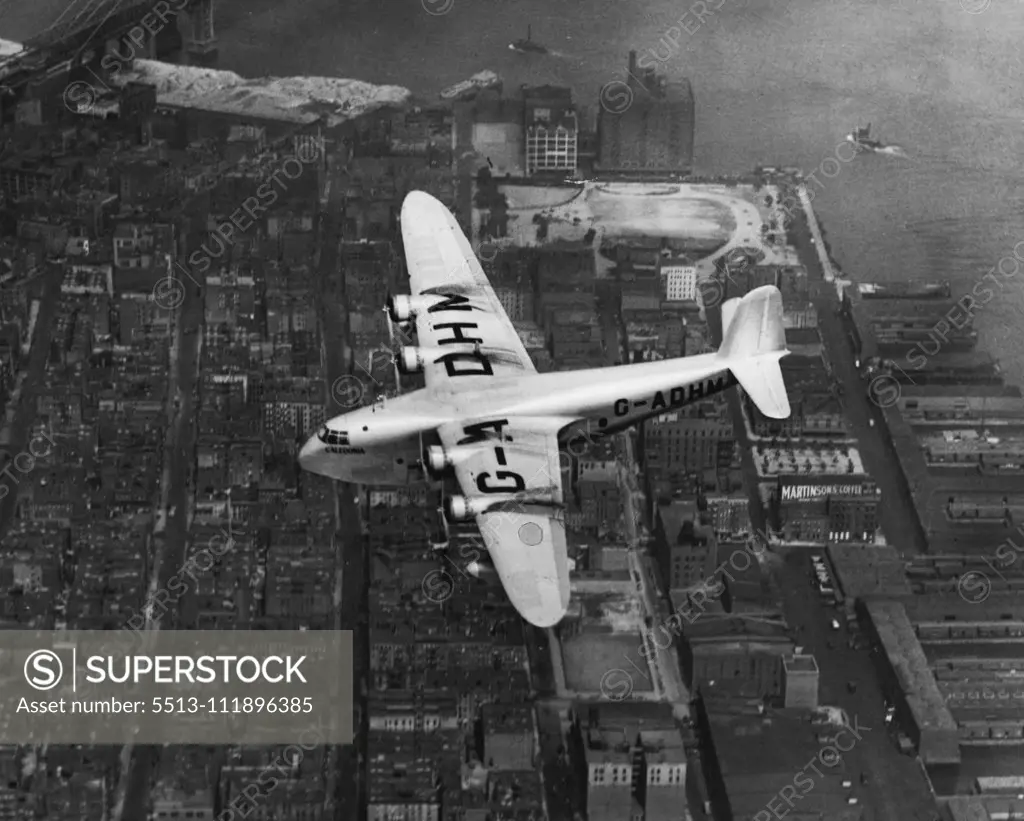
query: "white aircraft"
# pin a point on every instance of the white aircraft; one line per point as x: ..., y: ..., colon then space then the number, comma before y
x: 487, y: 416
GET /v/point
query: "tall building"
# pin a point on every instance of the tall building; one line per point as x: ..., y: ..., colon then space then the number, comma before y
x: 493, y: 128
x: 28, y: 178
x: 665, y: 764
x: 635, y: 762
x: 680, y: 282
x: 518, y: 304
x: 800, y: 681
x: 552, y: 130
x: 822, y: 508
x: 651, y: 129
x: 598, y: 487
x: 689, y: 442
x: 682, y: 547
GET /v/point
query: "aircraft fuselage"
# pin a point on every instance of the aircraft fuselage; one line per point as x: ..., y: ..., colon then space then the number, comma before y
x: 383, y: 444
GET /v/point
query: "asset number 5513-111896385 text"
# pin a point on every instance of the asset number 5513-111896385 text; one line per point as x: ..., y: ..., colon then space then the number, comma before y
x: 249, y: 704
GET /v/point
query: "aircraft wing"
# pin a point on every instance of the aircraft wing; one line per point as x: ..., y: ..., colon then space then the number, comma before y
x: 509, y: 473
x: 467, y: 334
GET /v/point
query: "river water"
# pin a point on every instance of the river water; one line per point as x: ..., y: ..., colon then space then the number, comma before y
x: 776, y: 82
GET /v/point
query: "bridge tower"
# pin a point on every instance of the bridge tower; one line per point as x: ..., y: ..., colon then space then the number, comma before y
x: 200, y: 39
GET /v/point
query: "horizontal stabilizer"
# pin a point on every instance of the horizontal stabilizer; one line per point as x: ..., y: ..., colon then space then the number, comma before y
x: 754, y: 340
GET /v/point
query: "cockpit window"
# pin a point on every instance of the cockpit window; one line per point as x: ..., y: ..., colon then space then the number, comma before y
x: 333, y: 437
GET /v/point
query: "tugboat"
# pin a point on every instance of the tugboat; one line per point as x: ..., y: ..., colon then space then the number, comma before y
x: 861, y: 139
x: 527, y: 46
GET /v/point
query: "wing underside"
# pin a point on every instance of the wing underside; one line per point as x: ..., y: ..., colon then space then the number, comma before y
x: 467, y: 333
x: 523, y: 525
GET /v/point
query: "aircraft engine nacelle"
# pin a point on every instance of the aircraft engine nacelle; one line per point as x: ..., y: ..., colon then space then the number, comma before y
x: 460, y: 508
x: 437, y: 461
x: 404, y: 308
x: 484, y: 570
x: 401, y: 308
x: 410, y: 360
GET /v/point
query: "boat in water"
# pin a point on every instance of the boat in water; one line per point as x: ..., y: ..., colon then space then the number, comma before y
x: 527, y: 46
x: 468, y: 88
x: 861, y: 140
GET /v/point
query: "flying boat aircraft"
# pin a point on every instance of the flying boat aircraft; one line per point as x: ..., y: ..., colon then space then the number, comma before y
x: 487, y: 419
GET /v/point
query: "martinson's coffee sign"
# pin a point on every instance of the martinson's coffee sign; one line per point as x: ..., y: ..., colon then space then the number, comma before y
x: 806, y: 492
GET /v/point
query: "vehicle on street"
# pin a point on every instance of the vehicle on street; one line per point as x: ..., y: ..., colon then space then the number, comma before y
x: 835, y: 624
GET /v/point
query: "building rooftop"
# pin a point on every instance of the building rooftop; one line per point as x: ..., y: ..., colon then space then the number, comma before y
x: 760, y: 754
x: 800, y: 664
x: 869, y: 570
x: 824, y: 460
x: 730, y: 633
x: 933, y: 492
x: 900, y: 643
x: 654, y: 131
x: 506, y: 718
x: 615, y: 727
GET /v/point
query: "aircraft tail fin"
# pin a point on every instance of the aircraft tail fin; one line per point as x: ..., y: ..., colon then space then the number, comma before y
x: 754, y: 340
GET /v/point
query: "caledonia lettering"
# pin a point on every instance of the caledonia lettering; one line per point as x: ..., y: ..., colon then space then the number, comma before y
x: 791, y: 492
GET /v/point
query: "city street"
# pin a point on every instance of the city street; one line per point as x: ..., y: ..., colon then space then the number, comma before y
x: 896, y: 788
x: 898, y: 517
x: 667, y: 676
x: 140, y: 763
x: 20, y: 431
x: 344, y: 766
x: 564, y: 793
